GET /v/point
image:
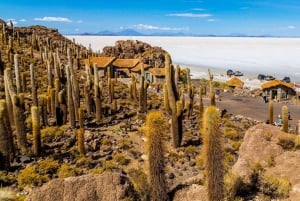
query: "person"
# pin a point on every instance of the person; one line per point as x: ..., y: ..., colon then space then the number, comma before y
x: 279, y: 121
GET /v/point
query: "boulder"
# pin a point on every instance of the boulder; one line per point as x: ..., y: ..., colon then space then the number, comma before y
x: 260, y: 143
x: 105, y: 187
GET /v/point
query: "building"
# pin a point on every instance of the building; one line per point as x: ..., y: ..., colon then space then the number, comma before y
x: 235, y: 82
x: 278, y: 90
x: 103, y: 64
x: 123, y: 66
x: 157, y: 75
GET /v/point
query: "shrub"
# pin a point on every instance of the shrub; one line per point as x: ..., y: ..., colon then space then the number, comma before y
x: 6, y: 178
x: 121, y: 159
x: 233, y: 183
x: 47, y: 166
x: 97, y: 171
x: 66, y: 170
x: 297, y: 141
x: 267, y: 135
x: 275, y: 187
x: 48, y: 133
x: 191, y: 150
x: 286, y: 141
x: 231, y: 133
x: 29, y: 176
x: 271, y: 161
x: 124, y: 144
x: 7, y: 195
x: 106, y: 141
x: 139, y: 180
x: 236, y: 145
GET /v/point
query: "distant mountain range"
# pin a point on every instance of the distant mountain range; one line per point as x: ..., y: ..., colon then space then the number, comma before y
x: 132, y: 32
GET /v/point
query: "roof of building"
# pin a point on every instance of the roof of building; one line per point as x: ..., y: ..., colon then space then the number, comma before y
x: 101, y: 62
x: 126, y: 63
x: 138, y: 67
x: 157, y: 71
x: 275, y: 83
x: 235, y: 82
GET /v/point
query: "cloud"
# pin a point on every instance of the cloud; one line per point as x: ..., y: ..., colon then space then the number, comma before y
x: 198, y: 9
x: 291, y: 27
x: 211, y: 20
x: 151, y: 27
x: 12, y: 20
x: 53, y: 19
x: 22, y: 20
x: 191, y: 15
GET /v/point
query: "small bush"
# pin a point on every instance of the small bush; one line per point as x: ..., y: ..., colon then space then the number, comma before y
x: 231, y: 133
x: 7, y: 195
x: 97, y: 171
x: 66, y: 170
x: 48, y: 133
x: 232, y: 183
x: 124, y: 144
x: 267, y: 135
x: 286, y: 141
x: 121, y: 159
x: 191, y: 151
x: 139, y: 180
x: 29, y: 176
x: 106, y: 141
x: 271, y: 161
x: 297, y: 141
x: 236, y: 145
x: 7, y: 178
x: 48, y: 166
x: 275, y: 187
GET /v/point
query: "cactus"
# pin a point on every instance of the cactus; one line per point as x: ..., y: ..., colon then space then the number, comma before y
x: 285, y: 121
x: 52, y: 102
x: 166, y: 99
x: 155, y: 129
x: 97, y: 94
x: 213, y: 152
x: 212, y: 94
x: 44, y: 110
x: 80, y: 114
x: 36, y: 132
x: 63, y: 106
x: 271, y: 112
x: 24, y: 82
x: 110, y: 85
x: 141, y: 94
x: 201, y: 107
x: 8, y: 87
x: 17, y: 73
x: 6, y: 138
x: 18, y: 112
x: 33, y: 86
x: 176, y: 123
x: 133, y: 87
x: 87, y: 91
x: 49, y: 71
x: 1, y: 64
x: 80, y: 141
x: 70, y: 100
x: 191, y: 92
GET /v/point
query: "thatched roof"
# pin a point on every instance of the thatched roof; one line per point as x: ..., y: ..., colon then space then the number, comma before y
x: 138, y: 67
x: 101, y: 62
x: 126, y: 63
x: 276, y: 83
x: 235, y: 82
x: 157, y: 71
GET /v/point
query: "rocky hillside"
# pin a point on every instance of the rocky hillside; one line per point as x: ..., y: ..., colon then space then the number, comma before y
x: 129, y: 49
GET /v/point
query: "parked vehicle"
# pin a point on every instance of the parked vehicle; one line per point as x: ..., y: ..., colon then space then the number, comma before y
x: 269, y: 78
x: 286, y: 79
x: 238, y: 73
x: 261, y: 76
x: 230, y: 72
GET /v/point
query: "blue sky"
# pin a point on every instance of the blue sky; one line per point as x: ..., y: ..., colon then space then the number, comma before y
x: 220, y: 17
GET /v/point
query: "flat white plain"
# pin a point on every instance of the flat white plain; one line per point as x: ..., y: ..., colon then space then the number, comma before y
x: 275, y: 56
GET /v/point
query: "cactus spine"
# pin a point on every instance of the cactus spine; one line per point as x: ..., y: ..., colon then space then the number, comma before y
x: 155, y: 149
x: 35, y: 115
x: 285, y: 123
x: 6, y: 139
x: 176, y: 123
x: 271, y: 112
x: 213, y: 151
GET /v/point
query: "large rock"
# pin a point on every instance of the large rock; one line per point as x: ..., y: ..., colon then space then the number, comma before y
x: 193, y: 192
x: 105, y: 187
x: 259, y: 145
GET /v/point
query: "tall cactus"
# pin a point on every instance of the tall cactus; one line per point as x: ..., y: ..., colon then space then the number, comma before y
x: 80, y: 133
x: 213, y: 152
x: 285, y: 121
x: 33, y: 86
x: 70, y: 100
x: 1, y: 63
x: 17, y: 73
x: 166, y: 99
x: 6, y: 139
x: 271, y: 112
x: 36, y: 130
x: 155, y: 129
x: 176, y: 123
x: 212, y: 94
x: 97, y: 94
x: 201, y: 107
